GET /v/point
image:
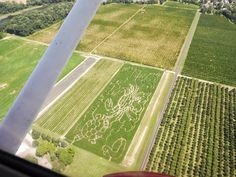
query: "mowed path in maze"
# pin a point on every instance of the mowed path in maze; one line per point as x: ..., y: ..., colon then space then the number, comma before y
x: 18, y: 58
x: 69, y: 108
x: 108, y: 126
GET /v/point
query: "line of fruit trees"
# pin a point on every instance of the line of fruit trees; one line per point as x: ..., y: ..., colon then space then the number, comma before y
x: 197, y: 136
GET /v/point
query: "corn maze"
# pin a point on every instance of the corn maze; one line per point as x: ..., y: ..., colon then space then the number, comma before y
x: 197, y: 136
x: 109, y: 124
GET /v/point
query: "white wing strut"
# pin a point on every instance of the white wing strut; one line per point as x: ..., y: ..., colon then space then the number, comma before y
x: 19, y: 119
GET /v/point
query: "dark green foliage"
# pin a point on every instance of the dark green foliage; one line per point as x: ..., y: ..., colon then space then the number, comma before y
x: 196, y: 137
x: 35, y: 134
x: 2, y: 35
x: 65, y: 155
x: 35, y: 143
x: 28, y: 23
x: 45, y: 147
x: 10, y: 7
x: 212, y: 52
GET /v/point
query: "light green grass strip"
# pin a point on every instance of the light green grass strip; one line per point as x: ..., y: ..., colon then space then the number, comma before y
x: 69, y: 108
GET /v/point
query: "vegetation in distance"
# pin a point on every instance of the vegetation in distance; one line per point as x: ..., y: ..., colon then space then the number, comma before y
x: 212, y: 52
x: 109, y: 124
x: 186, y: 5
x: 27, y: 23
x: 59, y: 118
x: 218, y: 7
x: 17, y: 60
x: 197, y: 134
x: 153, y: 37
x: 10, y: 7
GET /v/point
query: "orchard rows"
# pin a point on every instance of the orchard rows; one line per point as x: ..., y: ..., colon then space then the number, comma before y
x: 197, y: 136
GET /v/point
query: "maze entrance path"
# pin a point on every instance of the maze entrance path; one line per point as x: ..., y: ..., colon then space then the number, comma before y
x: 108, y: 126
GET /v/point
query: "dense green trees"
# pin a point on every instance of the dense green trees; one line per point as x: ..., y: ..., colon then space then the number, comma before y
x: 219, y: 8
x: 197, y: 133
x: 28, y: 23
x: 2, y: 35
x: 59, y: 152
x: 10, y: 7
x: 41, y: 2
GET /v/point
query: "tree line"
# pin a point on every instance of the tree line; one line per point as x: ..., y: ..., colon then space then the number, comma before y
x: 218, y: 7
x: 28, y: 23
x: 10, y: 7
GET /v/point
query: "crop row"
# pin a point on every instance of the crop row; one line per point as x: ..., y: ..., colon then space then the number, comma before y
x: 197, y: 133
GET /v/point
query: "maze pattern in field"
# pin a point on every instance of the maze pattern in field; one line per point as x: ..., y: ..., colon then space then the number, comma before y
x: 70, y: 107
x: 108, y: 126
x: 197, y: 135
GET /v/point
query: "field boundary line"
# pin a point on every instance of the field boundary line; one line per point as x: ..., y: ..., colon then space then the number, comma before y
x: 118, y: 28
x: 181, y: 8
x: 42, y: 30
x: 126, y: 61
x: 95, y: 97
x: 30, y: 40
x: 186, y: 45
x: 66, y: 90
x: 144, y: 124
x: 206, y: 81
x: 158, y: 122
x: 68, y: 74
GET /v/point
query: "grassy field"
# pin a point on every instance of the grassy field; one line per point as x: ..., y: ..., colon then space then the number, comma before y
x: 70, y: 107
x: 196, y: 136
x: 153, y: 37
x: 212, y: 52
x: 181, y: 5
x: 108, y: 126
x: 107, y: 19
x: 46, y: 35
x: 17, y: 60
x: 88, y: 164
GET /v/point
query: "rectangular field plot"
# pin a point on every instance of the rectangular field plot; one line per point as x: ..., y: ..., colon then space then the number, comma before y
x: 212, y: 54
x: 107, y: 19
x: 153, y: 37
x: 197, y: 133
x: 17, y: 60
x: 108, y: 126
x: 69, y: 108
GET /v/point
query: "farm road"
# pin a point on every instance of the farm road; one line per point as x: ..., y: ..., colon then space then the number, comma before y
x: 18, y: 12
x: 67, y: 82
x: 177, y: 70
